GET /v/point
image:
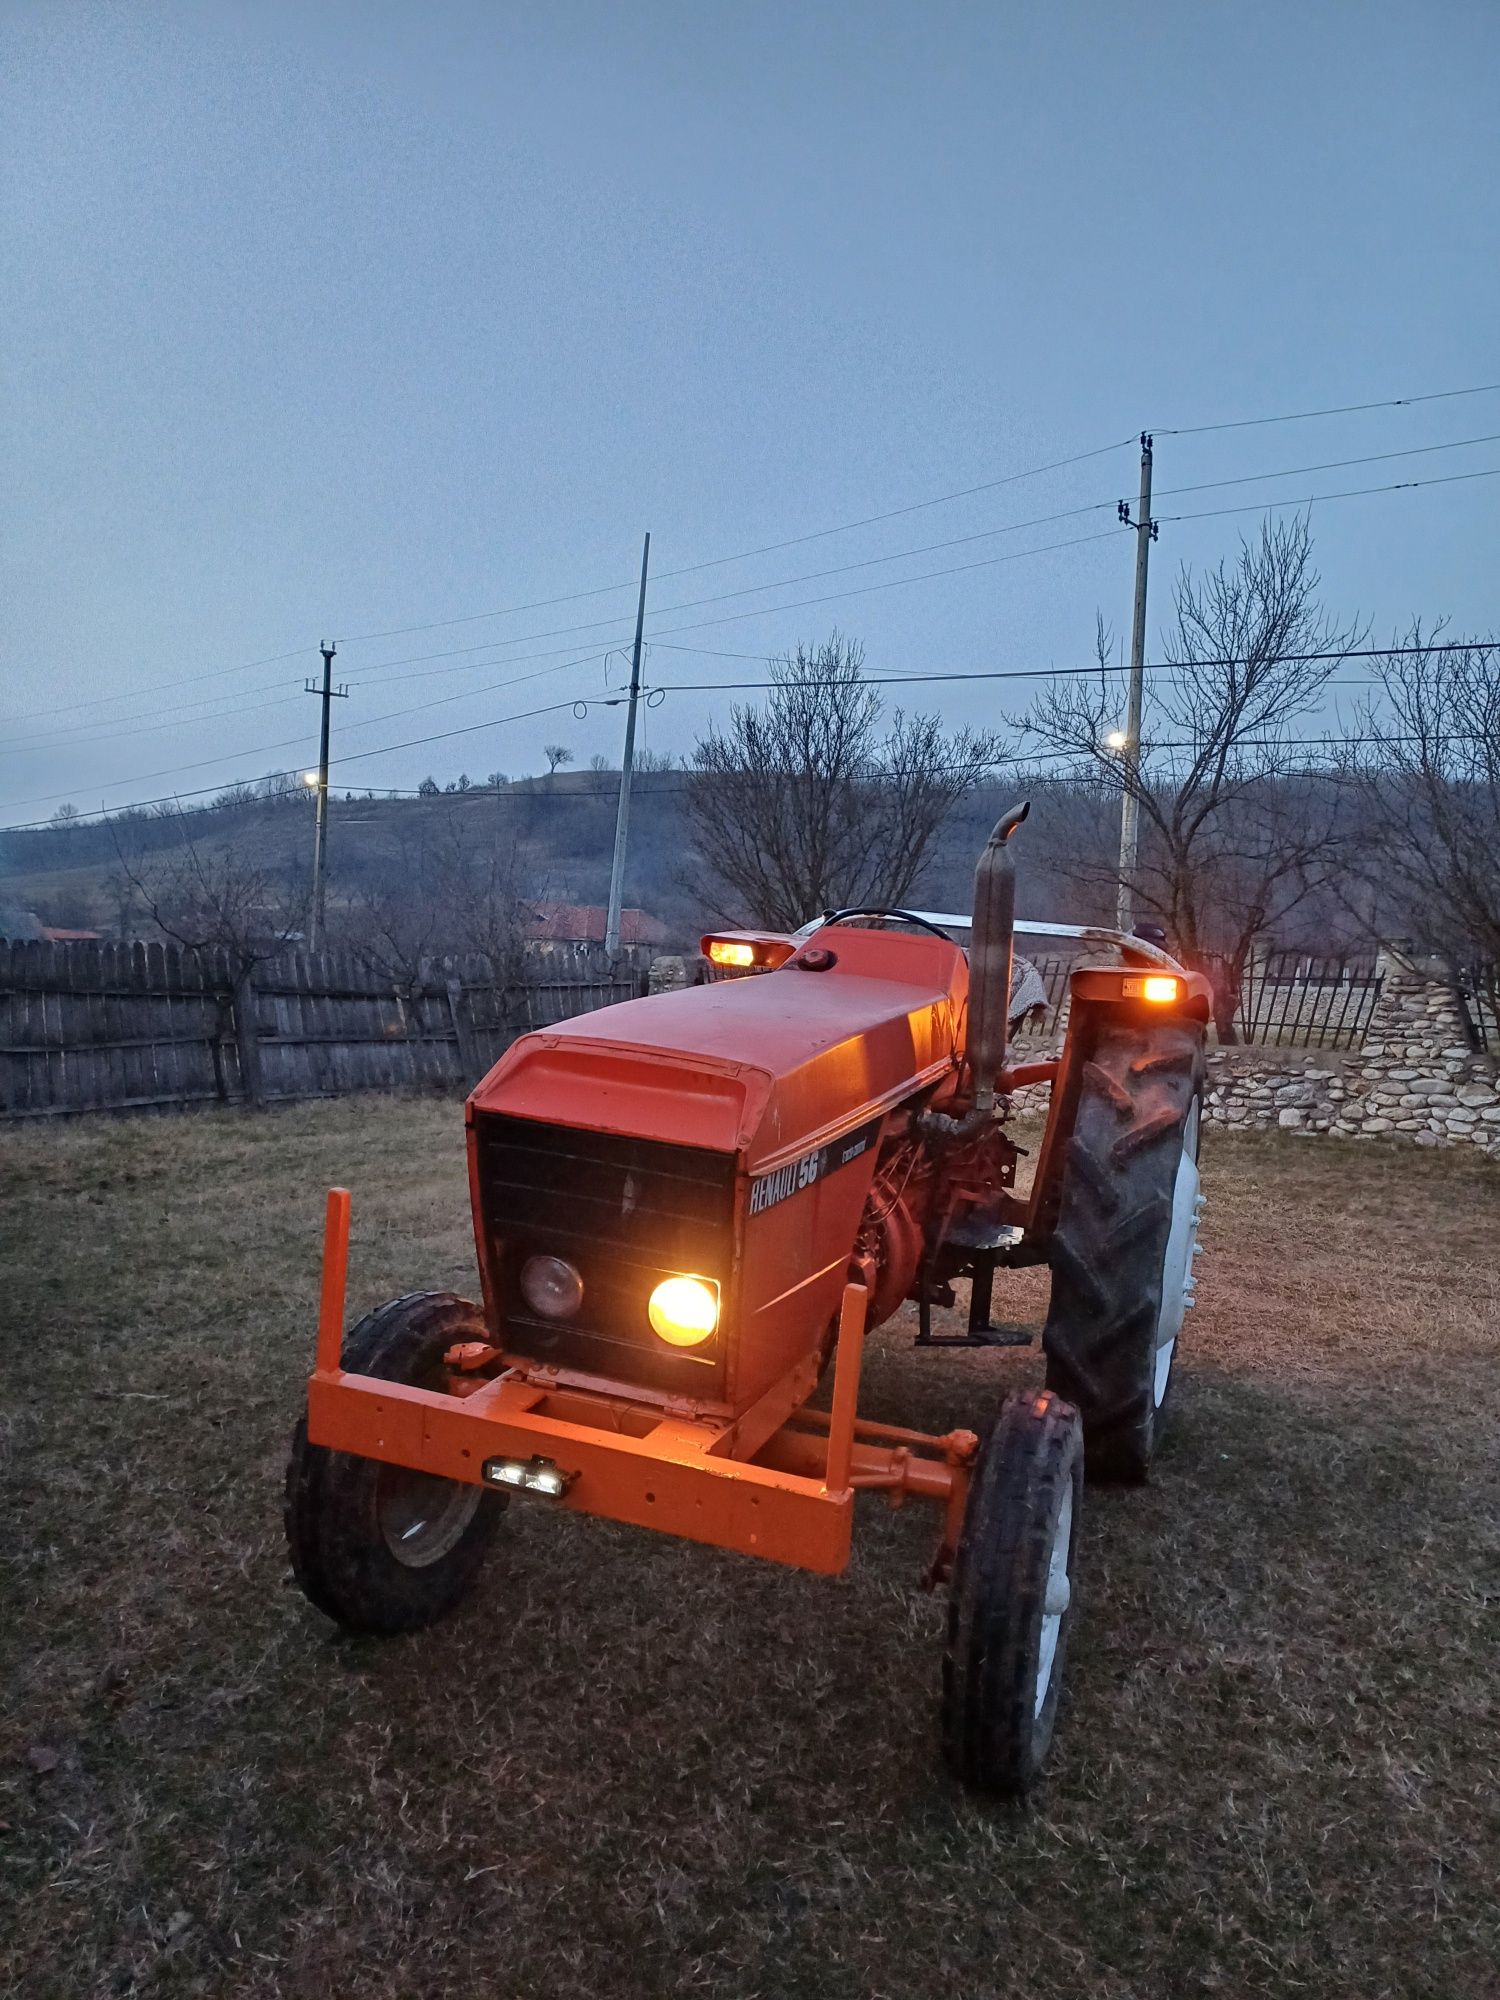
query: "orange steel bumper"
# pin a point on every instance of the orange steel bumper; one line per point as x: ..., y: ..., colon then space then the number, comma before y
x: 777, y: 1481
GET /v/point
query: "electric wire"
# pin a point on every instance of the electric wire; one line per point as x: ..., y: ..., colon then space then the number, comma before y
x: 1338, y: 410
x: 1162, y: 430
x: 615, y: 699
x: 373, y: 676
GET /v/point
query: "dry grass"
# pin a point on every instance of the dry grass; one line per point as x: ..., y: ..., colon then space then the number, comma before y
x: 634, y: 1768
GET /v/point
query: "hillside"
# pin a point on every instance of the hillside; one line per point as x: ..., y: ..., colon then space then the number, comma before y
x: 557, y: 834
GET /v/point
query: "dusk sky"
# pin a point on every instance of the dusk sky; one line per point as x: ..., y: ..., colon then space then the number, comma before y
x: 324, y: 320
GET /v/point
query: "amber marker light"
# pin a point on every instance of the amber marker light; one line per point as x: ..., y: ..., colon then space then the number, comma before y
x: 726, y: 951
x: 684, y: 1311
x: 1162, y: 990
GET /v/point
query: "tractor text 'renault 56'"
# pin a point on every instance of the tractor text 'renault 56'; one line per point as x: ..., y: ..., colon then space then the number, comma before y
x: 687, y: 1207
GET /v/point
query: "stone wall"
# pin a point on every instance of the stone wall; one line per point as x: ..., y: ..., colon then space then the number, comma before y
x: 1415, y: 1078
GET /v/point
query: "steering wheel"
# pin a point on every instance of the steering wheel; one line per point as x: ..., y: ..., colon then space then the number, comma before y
x: 900, y: 916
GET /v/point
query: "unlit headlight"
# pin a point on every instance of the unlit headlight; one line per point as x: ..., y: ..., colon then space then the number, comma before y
x: 551, y: 1287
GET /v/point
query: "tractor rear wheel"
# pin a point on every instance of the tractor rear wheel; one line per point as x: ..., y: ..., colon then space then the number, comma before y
x: 1010, y: 1601
x: 381, y: 1548
x: 1122, y: 1252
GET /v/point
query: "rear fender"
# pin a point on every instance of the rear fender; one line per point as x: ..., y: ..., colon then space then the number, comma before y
x: 1101, y: 997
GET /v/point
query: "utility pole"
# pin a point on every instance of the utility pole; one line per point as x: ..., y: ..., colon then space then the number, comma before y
x: 1130, y: 749
x: 320, y: 839
x: 627, y: 766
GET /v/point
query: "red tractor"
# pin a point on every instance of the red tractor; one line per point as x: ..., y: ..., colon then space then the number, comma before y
x: 688, y: 1208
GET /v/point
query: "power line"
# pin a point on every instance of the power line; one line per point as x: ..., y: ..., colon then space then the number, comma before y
x: 614, y: 700
x: 745, y: 555
x: 1328, y: 465
x: 926, y: 576
x: 48, y: 738
x: 228, y: 784
x: 984, y: 534
x: 916, y: 507
x: 1031, y: 472
x: 103, y: 700
x: 365, y: 722
x: 151, y: 723
x: 1338, y: 410
x: 696, y: 603
x: 603, y: 589
x: 376, y: 678
x: 1338, y: 653
x: 1350, y: 493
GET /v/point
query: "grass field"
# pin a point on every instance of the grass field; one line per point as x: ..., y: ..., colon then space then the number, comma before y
x: 630, y: 1767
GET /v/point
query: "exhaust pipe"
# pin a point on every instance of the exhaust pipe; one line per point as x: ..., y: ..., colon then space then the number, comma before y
x: 990, y: 951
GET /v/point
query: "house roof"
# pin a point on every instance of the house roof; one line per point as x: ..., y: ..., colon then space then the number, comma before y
x: 580, y: 923
x: 55, y: 936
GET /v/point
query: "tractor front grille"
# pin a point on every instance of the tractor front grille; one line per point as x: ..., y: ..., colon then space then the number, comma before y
x: 626, y: 1213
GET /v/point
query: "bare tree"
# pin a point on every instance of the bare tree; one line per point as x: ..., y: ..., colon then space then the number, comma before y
x: 1234, y: 833
x: 808, y: 803
x: 485, y: 904
x: 1425, y: 765
x: 396, y: 920
x: 555, y: 754
x: 203, y: 895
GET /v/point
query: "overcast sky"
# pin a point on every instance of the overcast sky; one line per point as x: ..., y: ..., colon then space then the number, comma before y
x: 323, y: 320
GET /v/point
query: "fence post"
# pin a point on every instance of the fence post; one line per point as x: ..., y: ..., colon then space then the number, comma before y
x: 246, y: 1035
x: 468, y: 1055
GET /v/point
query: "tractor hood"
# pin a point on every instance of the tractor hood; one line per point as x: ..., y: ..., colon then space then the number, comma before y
x: 763, y: 1067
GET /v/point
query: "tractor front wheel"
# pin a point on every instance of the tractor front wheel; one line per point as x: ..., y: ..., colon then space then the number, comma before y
x: 1127, y: 1230
x: 1010, y: 1601
x: 381, y: 1548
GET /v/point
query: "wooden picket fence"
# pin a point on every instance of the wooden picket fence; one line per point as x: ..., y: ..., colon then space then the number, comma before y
x: 124, y: 1027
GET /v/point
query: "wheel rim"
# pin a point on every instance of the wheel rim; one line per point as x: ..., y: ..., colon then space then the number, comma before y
x: 421, y: 1517
x: 1059, y: 1596
x: 1177, y: 1283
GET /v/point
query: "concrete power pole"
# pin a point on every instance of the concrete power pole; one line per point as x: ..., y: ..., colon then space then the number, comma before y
x: 320, y: 839
x: 1130, y: 750
x: 627, y: 766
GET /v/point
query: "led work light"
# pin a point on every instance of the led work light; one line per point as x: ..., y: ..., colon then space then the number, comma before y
x: 528, y: 1475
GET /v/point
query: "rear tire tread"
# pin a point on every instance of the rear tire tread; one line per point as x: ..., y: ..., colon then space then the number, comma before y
x: 1113, y: 1223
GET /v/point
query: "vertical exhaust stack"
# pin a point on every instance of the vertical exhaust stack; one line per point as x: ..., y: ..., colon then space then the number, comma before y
x: 990, y: 950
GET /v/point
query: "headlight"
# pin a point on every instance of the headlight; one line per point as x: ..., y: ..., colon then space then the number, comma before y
x: 1161, y: 989
x: 684, y: 1311
x: 551, y: 1287
x: 729, y: 951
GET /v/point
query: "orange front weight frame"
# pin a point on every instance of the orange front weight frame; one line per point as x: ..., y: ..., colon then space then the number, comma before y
x: 776, y: 1481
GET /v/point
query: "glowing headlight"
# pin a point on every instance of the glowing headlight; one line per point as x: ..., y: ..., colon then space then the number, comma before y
x: 684, y: 1311
x: 727, y: 951
x: 1160, y: 989
x: 551, y: 1287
